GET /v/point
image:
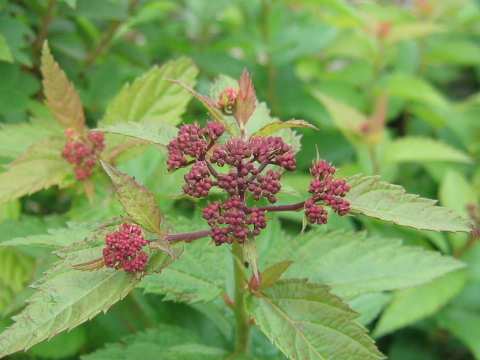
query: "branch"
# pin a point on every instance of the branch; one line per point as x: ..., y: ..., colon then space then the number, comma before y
x: 44, y: 27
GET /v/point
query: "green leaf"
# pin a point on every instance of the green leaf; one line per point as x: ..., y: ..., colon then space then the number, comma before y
x: 369, y: 306
x: 306, y: 321
x: 195, y: 351
x: 275, y: 126
x: 422, y: 150
x: 261, y: 118
x: 153, y: 344
x: 371, y: 197
x: 40, y: 168
x: 66, y: 298
x: 155, y: 133
x: 348, y: 119
x: 354, y: 264
x: 152, y: 98
x: 414, y: 88
x: 65, y: 345
x: 55, y: 238
x: 5, y: 53
x: 460, y: 52
x: 61, y: 97
x: 196, y: 277
x: 15, y: 139
x: 411, y: 305
x: 136, y: 200
x: 401, y: 32
x: 16, y: 269
x: 208, y: 103
x: 273, y: 273
x: 464, y: 325
x: 456, y: 192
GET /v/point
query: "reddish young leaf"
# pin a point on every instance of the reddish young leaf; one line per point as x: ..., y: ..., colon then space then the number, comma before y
x: 246, y: 100
x: 61, y: 97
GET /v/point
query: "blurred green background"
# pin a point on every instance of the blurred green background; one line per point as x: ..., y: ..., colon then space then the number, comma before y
x: 393, y: 87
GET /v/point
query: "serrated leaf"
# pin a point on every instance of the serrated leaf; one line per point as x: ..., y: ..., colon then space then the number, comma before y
x: 61, y: 96
x: 371, y: 197
x: 15, y: 139
x: 208, y: 103
x: 5, y: 53
x: 197, y: 276
x: 153, y: 344
x: 275, y: 126
x: 55, y: 238
x: 411, y: 305
x: 40, y: 168
x: 271, y: 274
x: 354, y: 264
x: 155, y: 133
x: 422, y: 150
x: 66, y: 298
x: 151, y: 97
x: 249, y: 248
x: 136, y: 200
x: 306, y: 321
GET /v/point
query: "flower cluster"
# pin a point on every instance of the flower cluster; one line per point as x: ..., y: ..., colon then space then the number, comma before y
x: 227, y: 99
x: 326, y: 190
x: 83, y: 152
x: 123, y: 249
x: 247, y: 159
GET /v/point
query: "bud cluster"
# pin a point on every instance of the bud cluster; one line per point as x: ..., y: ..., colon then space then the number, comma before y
x: 247, y: 160
x: 227, y: 99
x: 123, y: 249
x: 327, y: 190
x: 238, y: 219
x: 83, y: 152
x: 191, y: 142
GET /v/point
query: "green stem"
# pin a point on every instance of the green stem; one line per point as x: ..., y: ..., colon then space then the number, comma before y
x: 44, y: 27
x: 241, y: 316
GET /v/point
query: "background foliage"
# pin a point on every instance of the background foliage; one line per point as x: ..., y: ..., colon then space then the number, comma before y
x: 393, y: 87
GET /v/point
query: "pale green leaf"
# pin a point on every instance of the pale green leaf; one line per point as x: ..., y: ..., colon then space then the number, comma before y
x: 305, y: 321
x: 464, y: 325
x: 421, y: 150
x: 61, y: 96
x: 55, y: 238
x: 401, y: 32
x: 152, y: 98
x: 5, y: 53
x: 40, y: 168
x: 275, y: 126
x: 456, y: 192
x: 271, y: 274
x: 153, y: 344
x: 155, y: 133
x: 348, y: 119
x: 197, y: 276
x: 261, y: 117
x: 411, y: 305
x: 460, y: 52
x: 16, y: 268
x: 371, y: 197
x: 136, y: 200
x: 369, y: 306
x: 414, y: 88
x: 15, y: 139
x: 195, y: 351
x: 250, y: 248
x: 66, y: 298
x: 354, y: 264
